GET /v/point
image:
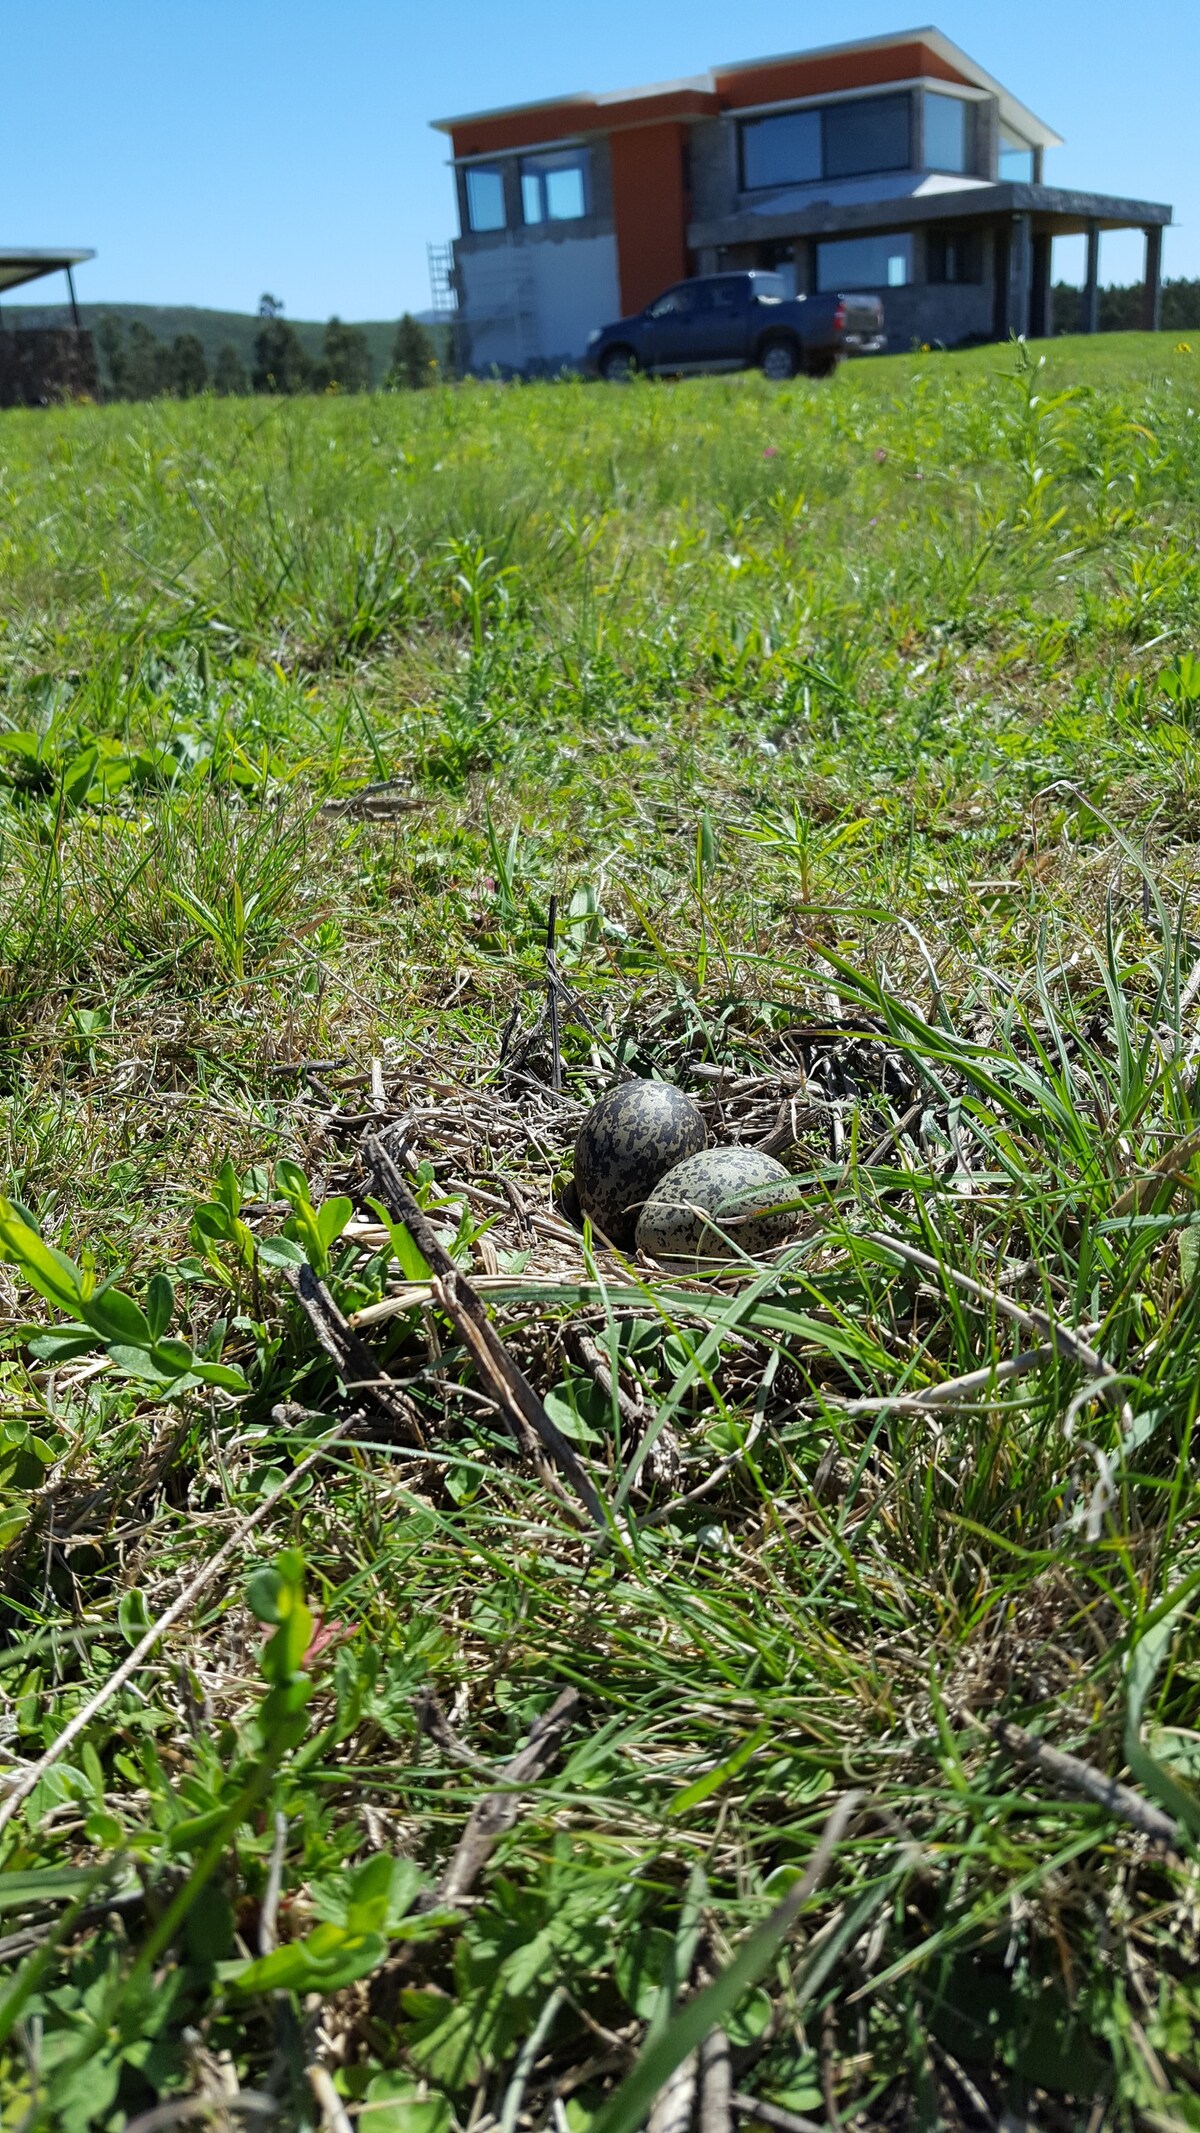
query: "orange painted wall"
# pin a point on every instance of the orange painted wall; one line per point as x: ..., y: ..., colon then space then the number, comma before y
x: 650, y: 210
x: 557, y: 122
x: 777, y: 80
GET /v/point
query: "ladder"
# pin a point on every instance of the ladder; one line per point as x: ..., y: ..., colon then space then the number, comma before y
x: 441, y: 279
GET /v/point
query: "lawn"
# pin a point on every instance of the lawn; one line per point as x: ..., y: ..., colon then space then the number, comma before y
x: 459, y: 1676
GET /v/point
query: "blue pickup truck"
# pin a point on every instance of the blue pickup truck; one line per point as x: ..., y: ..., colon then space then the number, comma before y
x: 737, y: 322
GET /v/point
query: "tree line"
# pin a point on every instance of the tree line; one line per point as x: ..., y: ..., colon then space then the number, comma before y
x: 1121, y: 307
x: 140, y: 366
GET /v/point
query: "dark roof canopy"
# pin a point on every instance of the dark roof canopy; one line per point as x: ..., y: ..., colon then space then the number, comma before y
x: 18, y: 266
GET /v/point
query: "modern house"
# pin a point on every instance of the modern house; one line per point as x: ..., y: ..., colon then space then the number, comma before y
x: 893, y: 164
x: 39, y: 363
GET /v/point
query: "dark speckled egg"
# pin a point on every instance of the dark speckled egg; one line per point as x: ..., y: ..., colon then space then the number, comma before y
x: 720, y: 1195
x: 627, y: 1142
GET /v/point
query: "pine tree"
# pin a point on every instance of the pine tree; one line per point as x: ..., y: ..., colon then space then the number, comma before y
x: 110, y: 338
x: 189, y: 367
x: 414, y: 358
x: 148, y: 370
x: 229, y: 373
x: 281, y: 363
x: 346, y: 358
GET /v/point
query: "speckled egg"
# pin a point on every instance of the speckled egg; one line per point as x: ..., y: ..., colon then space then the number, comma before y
x: 720, y: 1195
x: 627, y: 1142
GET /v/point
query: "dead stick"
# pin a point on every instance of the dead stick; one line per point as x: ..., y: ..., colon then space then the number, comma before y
x: 1069, y: 1342
x: 356, y: 1364
x: 770, y: 2114
x: 334, y: 2117
x: 716, y: 2084
x: 1074, y: 1775
x: 671, y: 2111
x: 552, y: 998
x: 499, y: 1810
x: 505, y: 1381
x: 33, y: 1776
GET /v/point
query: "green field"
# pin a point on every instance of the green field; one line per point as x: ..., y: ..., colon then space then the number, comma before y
x: 852, y: 733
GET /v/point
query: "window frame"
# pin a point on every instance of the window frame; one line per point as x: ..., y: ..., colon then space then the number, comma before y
x: 953, y: 170
x: 539, y: 164
x: 965, y: 246
x: 1014, y: 144
x: 822, y: 112
x: 848, y: 285
x: 485, y: 170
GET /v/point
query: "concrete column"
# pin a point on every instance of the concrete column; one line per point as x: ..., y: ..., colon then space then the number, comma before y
x: 1019, y: 276
x: 1152, y: 285
x: 986, y: 130
x: 1001, y: 250
x: 1089, y: 320
x: 1041, y: 298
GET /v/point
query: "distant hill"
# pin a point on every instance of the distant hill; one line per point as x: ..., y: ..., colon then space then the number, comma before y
x: 213, y: 329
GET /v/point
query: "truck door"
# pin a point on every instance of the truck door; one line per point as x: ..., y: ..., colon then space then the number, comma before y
x: 719, y: 332
x: 672, y: 322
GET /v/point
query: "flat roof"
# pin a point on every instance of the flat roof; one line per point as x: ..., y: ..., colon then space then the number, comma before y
x: 1012, y: 113
x: 19, y: 264
x: 1060, y: 210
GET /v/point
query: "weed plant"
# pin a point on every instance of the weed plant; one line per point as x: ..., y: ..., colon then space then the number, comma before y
x: 873, y: 705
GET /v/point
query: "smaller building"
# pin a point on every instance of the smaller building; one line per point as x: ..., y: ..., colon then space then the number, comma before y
x: 43, y: 363
x: 894, y: 165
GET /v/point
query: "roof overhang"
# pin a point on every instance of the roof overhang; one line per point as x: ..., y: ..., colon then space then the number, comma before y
x: 18, y: 266
x: 700, y: 95
x: 1051, y: 208
x: 1013, y: 114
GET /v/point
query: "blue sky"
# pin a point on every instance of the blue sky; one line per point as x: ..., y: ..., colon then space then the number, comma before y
x: 211, y: 149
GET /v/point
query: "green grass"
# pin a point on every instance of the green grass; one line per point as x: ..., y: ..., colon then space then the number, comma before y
x: 855, y: 731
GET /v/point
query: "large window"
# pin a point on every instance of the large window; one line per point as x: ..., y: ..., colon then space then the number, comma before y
x: 953, y: 255
x: 848, y: 263
x: 1016, y: 159
x: 867, y: 135
x: 850, y: 140
x: 554, y: 186
x: 485, y: 197
x: 945, y: 132
x: 782, y: 150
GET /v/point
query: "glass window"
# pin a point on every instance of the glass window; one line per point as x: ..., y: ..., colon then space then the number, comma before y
x: 954, y: 255
x: 781, y: 150
x: 871, y: 133
x: 554, y: 187
x: 1016, y: 159
x: 848, y: 263
x: 485, y: 197
x: 679, y: 302
x: 945, y: 133
x: 850, y: 140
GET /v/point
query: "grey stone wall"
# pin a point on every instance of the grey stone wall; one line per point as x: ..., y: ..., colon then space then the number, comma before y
x: 947, y: 312
x: 714, y: 169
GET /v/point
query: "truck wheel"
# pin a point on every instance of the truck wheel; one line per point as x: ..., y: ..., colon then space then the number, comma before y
x: 617, y: 365
x: 778, y: 360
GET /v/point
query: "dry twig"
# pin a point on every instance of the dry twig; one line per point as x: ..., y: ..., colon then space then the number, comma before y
x: 498, y: 1810
x: 1072, y: 1774
x: 505, y: 1382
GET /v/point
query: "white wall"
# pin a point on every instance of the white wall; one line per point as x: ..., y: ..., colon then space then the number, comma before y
x: 537, y: 302
x: 576, y: 281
